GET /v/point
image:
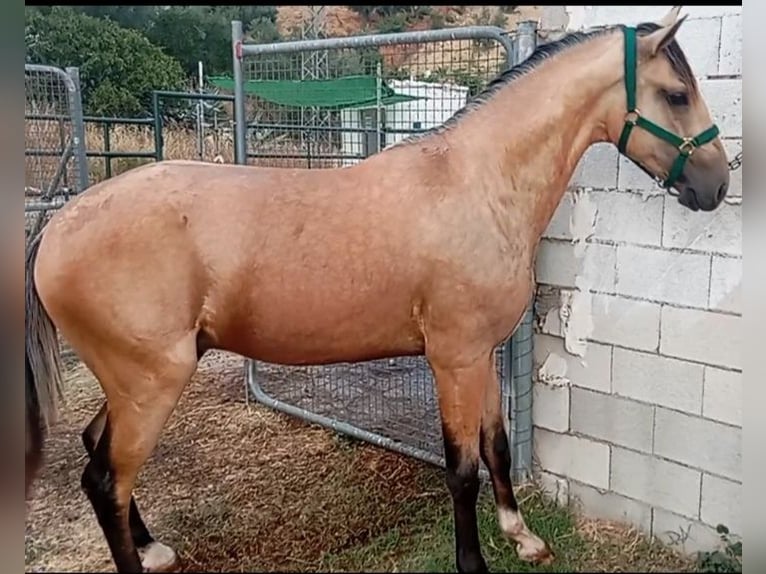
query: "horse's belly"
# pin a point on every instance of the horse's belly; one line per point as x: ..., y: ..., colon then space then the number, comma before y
x: 280, y: 327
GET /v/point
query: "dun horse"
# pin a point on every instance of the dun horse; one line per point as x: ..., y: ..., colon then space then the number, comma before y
x: 425, y: 248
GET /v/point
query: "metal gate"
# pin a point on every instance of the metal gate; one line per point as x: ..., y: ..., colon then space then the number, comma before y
x: 331, y: 103
x: 54, y: 141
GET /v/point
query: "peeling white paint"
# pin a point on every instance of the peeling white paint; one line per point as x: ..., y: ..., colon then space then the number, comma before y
x: 552, y: 324
x: 582, y: 222
x: 574, y: 313
x: 553, y: 370
x: 576, y: 320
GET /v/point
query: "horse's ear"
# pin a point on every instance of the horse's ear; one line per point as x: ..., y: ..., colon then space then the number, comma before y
x: 670, y: 18
x: 652, y: 44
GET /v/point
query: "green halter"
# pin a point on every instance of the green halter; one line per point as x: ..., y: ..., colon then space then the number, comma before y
x: 685, y: 146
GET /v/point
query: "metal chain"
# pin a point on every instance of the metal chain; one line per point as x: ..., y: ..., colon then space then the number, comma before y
x: 736, y: 163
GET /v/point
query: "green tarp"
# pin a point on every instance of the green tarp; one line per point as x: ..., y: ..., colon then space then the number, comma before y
x: 346, y: 92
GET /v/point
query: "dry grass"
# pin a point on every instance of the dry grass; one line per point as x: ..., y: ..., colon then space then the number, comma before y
x: 232, y: 487
x: 242, y: 488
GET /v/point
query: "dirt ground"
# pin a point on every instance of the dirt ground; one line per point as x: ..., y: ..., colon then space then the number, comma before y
x: 231, y: 486
x: 241, y: 488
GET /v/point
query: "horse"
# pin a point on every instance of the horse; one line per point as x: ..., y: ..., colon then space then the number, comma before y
x: 425, y: 248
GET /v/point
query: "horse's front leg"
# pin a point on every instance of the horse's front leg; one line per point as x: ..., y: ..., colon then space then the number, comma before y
x: 496, y: 455
x: 461, y: 390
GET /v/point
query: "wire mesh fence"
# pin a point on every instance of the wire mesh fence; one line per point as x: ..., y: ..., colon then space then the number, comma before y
x: 54, y: 159
x: 332, y: 106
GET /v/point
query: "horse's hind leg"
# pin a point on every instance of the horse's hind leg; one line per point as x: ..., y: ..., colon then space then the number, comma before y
x: 152, y: 553
x: 140, y: 398
x: 497, y: 457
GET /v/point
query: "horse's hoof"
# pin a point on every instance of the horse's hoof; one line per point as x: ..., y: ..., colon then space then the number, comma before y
x: 539, y: 556
x: 157, y: 557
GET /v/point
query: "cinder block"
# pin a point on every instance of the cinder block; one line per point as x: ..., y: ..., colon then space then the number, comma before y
x: 630, y: 177
x: 556, y: 264
x: 554, y: 486
x: 628, y: 217
x: 611, y: 506
x: 655, y: 481
x: 695, y: 12
x: 722, y: 503
x: 724, y: 99
x: 625, y: 322
x: 723, y: 396
x: 632, y: 15
x: 733, y: 147
x: 656, y: 379
x: 558, y: 228
x: 699, y: 442
x: 612, y: 419
x: 699, y: 39
x: 704, y: 336
x: 577, y: 458
x: 597, y: 168
x: 682, y: 534
x: 667, y: 276
x: 593, y: 371
x: 731, y: 46
x: 718, y: 231
x: 726, y: 284
x: 550, y: 407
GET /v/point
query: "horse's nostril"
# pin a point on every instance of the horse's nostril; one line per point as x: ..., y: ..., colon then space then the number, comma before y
x: 722, y: 192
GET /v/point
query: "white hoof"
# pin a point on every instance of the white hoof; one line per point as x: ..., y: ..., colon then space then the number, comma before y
x: 156, y: 557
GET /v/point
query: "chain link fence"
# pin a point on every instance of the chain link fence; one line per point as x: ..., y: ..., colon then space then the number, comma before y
x: 331, y: 103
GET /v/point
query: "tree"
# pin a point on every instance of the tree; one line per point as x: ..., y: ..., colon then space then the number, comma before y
x: 203, y: 33
x: 119, y: 67
x: 134, y: 17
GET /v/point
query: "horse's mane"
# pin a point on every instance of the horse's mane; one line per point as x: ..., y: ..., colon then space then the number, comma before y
x: 545, y: 51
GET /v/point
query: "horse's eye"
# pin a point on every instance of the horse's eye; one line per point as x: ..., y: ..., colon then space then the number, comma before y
x: 678, y: 99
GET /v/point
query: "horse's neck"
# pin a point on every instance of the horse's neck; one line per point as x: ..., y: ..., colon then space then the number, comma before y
x: 535, y: 130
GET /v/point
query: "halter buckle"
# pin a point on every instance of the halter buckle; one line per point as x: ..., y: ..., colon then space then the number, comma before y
x: 632, y: 117
x: 687, y: 146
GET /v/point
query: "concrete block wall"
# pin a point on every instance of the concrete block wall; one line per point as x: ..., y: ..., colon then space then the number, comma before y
x: 646, y: 426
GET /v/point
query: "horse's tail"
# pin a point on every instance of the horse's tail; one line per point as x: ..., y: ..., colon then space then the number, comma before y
x: 42, y: 367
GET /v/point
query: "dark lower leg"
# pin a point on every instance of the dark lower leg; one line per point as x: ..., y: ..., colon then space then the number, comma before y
x: 90, y: 437
x: 98, y: 482
x: 496, y: 455
x: 463, y: 484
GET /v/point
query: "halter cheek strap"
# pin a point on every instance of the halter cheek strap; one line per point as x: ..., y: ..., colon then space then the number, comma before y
x: 633, y: 118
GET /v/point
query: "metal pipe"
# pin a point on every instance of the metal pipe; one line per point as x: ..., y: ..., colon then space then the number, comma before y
x: 193, y: 96
x: 371, y: 40
x: 157, y: 126
x: 238, y: 52
x: 522, y: 339
x: 78, y: 129
x: 107, y: 149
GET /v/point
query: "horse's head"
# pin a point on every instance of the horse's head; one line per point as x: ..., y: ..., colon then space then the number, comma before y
x: 668, y: 130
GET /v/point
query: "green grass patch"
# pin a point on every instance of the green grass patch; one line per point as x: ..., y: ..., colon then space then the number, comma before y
x: 426, y: 543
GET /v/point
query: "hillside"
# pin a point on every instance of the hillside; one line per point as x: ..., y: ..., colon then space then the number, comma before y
x: 416, y: 59
x: 343, y: 21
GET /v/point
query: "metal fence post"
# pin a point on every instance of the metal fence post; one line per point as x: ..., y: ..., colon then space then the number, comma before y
x: 78, y: 130
x: 158, y: 143
x: 240, y: 121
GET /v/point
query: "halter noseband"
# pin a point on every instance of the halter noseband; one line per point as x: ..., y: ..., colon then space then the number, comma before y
x: 685, y: 146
